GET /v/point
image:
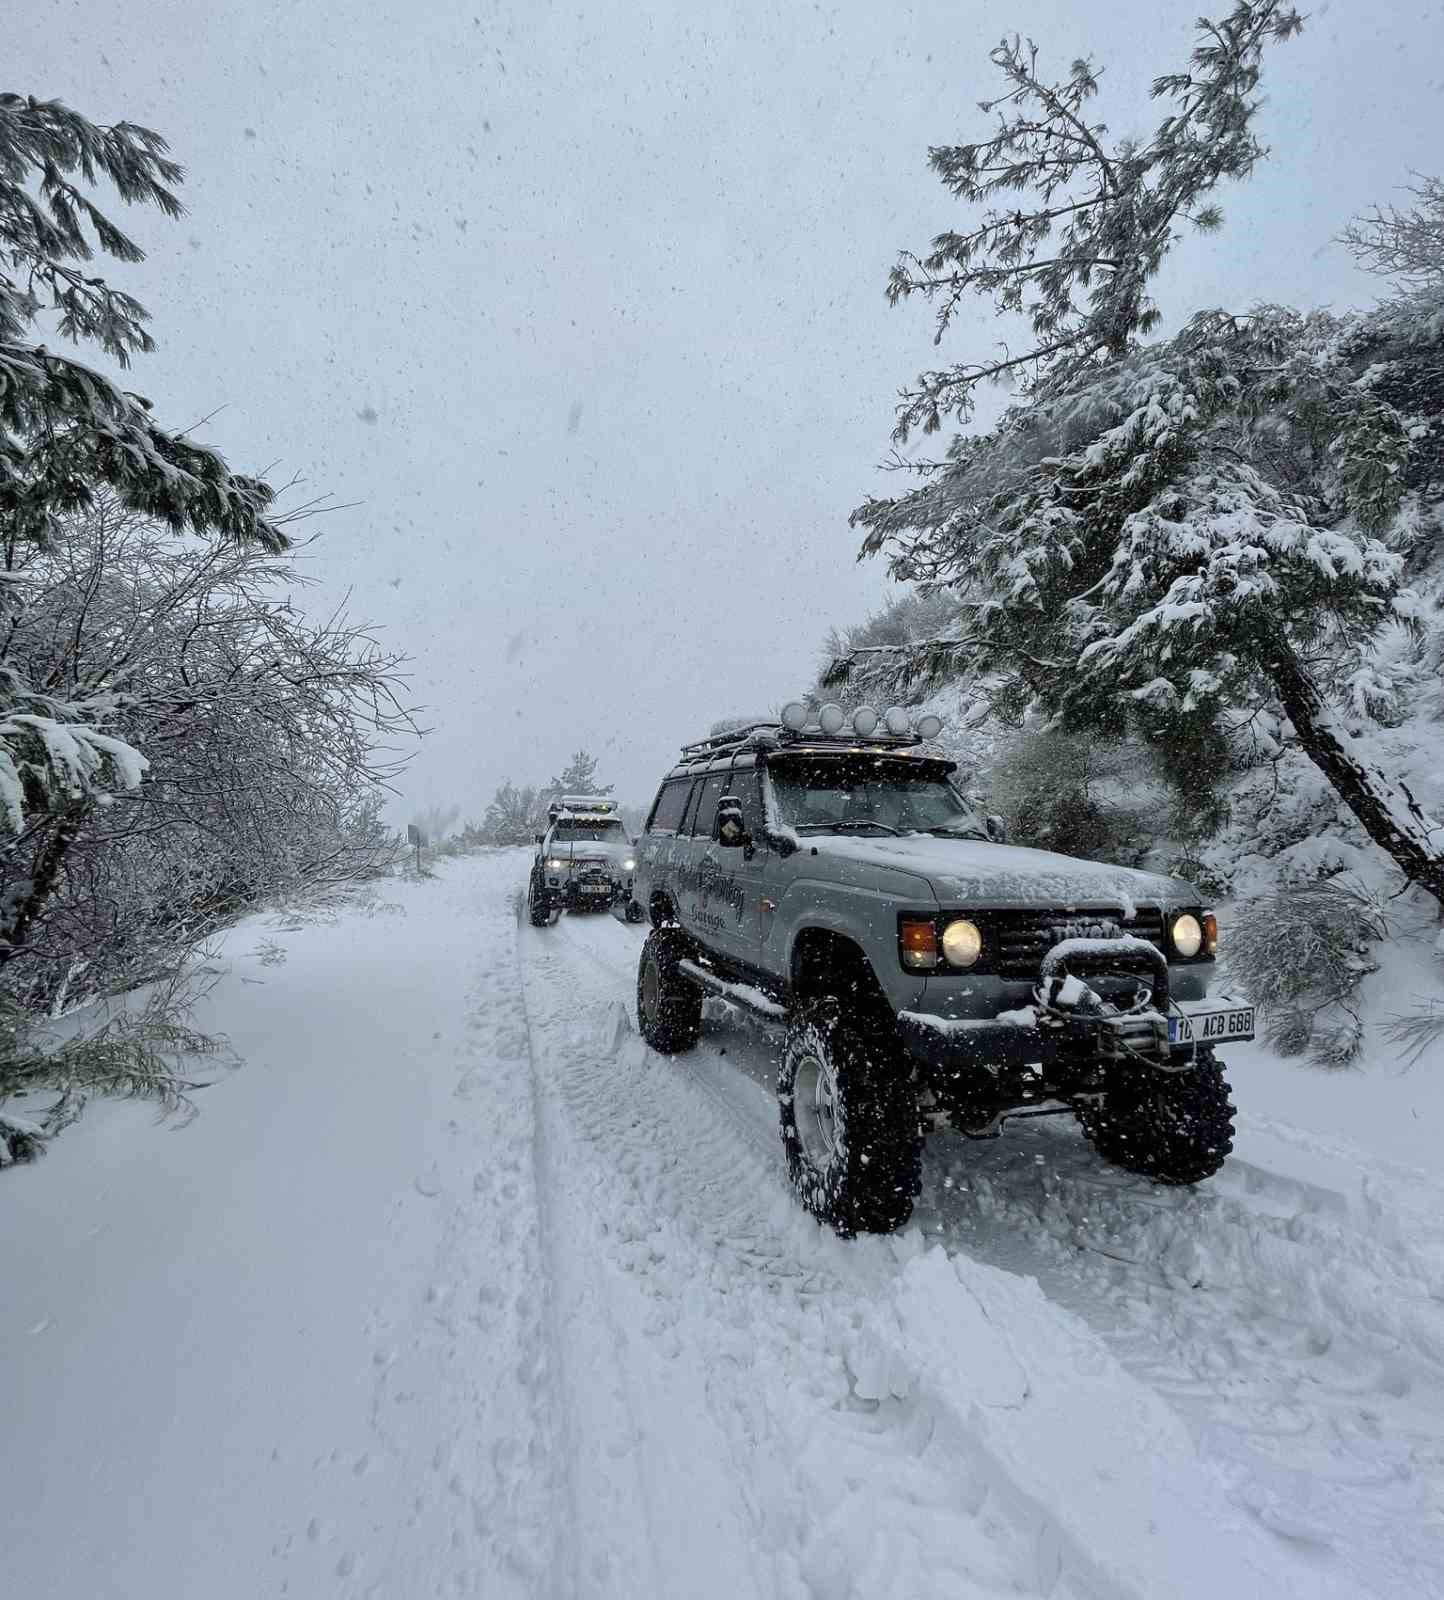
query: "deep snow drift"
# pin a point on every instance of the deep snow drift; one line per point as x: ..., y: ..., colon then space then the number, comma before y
x: 456, y: 1288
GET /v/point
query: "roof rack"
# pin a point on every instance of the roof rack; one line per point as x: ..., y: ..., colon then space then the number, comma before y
x: 773, y: 736
x: 581, y: 805
x: 753, y: 733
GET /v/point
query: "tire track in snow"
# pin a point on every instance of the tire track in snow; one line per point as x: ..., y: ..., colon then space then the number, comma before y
x: 464, y: 1411
x: 1297, y: 1328
x: 862, y: 1475
x: 613, y: 1533
x: 1187, y: 1366
x: 1303, y: 1351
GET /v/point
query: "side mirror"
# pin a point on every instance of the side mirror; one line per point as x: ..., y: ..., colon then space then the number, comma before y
x: 729, y: 828
x: 997, y: 829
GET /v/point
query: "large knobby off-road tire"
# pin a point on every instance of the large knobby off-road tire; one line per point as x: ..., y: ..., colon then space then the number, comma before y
x: 1171, y: 1127
x: 669, y: 1005
x: 849, y: 1116
x: 538, y: 908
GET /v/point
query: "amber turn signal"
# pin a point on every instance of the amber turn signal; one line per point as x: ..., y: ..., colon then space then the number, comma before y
x: 1210, y: 934
x: 918, y: 943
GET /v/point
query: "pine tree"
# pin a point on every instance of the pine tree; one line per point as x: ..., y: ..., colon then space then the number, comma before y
x: 64, y: 429
x: 512, y: 815
x: 1077, y: 259
x: 67, y: 432
x: 579, y: 776
x: 1156, y: 535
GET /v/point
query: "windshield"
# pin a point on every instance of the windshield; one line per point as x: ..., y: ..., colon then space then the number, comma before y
x: 869, y: 795
x: 599, y: 832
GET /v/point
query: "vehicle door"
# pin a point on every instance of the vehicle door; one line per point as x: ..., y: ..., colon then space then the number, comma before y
x: 747, y: 869
x: 699, y: 875
x: 783, y: 867
x: 657, y: 848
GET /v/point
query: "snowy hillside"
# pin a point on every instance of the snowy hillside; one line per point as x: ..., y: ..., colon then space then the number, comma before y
x: 456, y: 1288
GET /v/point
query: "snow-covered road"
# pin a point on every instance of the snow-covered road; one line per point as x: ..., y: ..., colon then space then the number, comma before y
x: 456, y: 1288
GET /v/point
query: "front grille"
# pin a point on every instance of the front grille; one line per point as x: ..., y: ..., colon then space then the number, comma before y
x: 1017, y: 941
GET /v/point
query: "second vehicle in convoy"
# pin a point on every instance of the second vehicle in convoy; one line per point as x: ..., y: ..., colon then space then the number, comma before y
x: 832, y: 878
x: 584, y: 860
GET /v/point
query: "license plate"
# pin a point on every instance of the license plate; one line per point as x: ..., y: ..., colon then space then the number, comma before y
x: 596, y: 888
x: 1211, y: 1027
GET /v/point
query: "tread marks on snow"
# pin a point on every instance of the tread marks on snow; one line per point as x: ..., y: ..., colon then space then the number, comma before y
x: 835, y: 1451
x: 1283, y: 1330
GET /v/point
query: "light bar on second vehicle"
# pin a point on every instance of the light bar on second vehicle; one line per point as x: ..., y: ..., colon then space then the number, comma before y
x: 584, y: 802
x: 896, y: 721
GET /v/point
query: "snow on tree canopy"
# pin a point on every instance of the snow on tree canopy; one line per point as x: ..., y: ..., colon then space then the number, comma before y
x: 1216, y: 522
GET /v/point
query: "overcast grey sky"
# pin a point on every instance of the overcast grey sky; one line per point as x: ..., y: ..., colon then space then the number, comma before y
x: 583, y: 303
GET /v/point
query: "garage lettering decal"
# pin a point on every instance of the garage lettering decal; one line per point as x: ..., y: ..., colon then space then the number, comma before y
x: 710, y: 882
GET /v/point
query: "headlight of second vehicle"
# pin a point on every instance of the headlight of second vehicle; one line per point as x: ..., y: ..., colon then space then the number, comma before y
x: 962, y: 942
x: 1187, y: 935
x: 555, y: 865
x: 629, y: 865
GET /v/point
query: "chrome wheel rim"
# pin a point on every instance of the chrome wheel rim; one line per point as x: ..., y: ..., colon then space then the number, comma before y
x: 814, y: 1102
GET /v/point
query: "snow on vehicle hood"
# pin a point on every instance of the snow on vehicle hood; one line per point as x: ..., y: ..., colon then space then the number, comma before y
x: 975, y: 871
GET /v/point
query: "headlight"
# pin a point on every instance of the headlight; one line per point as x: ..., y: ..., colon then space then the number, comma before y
x: 962, y: 942
x: 555, y: 866
x: 629, y: 865
x: 1187, y: 935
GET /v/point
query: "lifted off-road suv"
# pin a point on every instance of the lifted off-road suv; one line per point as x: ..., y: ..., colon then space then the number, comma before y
x: 584, y: 860
x: 928, y: 974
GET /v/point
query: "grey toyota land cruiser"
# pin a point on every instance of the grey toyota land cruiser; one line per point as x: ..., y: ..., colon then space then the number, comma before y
x: 830, y: 876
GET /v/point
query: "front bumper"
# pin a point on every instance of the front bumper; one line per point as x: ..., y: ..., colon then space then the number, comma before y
x: 598, y: 890
x: 949, y: 1049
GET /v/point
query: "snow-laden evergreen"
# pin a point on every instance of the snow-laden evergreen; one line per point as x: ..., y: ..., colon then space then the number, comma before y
x: 67, y: 431
x: 1160, y: 538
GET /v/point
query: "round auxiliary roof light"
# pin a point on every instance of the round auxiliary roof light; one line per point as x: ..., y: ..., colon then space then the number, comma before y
x: 896, y: 720
x: 794, y: 716
x: 929, y: 727
x: 864, y: 721
x: 831, y: 718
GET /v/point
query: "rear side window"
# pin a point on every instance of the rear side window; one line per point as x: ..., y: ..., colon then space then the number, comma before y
x: 712, y: 790
x: 667, y: 812
x: 685, y: 826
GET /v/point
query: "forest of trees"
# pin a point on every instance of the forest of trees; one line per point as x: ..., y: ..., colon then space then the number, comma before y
x: 516, y: 813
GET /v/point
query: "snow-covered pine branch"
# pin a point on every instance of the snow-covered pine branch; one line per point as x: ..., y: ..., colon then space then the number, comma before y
x: 69, y: 435
x: 1073, y: 224
x: 65, y: 428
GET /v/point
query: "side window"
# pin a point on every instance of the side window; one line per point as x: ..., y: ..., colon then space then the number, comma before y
x: 712, y: 791
x: 685, y: 825
x: 667, y: 812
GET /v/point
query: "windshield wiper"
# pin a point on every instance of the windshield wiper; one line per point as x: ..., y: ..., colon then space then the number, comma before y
x: 858, y: 822
x: 972, y: 831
